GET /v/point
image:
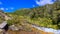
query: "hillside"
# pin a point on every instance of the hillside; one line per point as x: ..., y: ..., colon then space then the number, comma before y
x: 45, y: 16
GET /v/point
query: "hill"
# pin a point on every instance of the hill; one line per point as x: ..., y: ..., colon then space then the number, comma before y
x: 45, y: 16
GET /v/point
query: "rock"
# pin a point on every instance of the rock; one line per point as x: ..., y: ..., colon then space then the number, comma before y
x: 1, y: 31
x: 3, y: 24
x: 13, y: 27
x: 21, y: 28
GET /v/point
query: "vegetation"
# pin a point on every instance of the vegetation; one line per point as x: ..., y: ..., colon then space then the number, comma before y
x: 45, y: 16
x: 1, y: 19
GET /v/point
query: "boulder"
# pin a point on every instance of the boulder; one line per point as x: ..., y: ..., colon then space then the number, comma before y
x: 13, y: 27
x: 3, y: 24
x: 1, y: 31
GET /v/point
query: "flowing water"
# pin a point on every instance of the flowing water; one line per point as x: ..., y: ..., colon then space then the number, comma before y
x: 47, y: 29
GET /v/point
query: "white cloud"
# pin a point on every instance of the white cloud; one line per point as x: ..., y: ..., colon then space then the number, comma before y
x: 6, y: 9
x: 1, y: 8
x: 0, y: 2
x: 33, y: 5
x: 44, y: 2
x: 12, y: 8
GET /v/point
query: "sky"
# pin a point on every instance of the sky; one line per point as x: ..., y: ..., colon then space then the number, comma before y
x: 12, y: 5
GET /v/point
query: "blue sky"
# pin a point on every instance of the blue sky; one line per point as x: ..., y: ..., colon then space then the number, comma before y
x: 12, y: 5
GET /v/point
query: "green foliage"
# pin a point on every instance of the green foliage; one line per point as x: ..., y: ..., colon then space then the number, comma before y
x: 15, y: 20
x: 1, y: 19
x: 46, y: 16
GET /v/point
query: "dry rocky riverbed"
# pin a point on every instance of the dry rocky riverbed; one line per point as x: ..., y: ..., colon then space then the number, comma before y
x: 34, y: 31
x: 24, y: 29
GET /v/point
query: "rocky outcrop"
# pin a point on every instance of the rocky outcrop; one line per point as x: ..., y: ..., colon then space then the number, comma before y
x: 13, y: 27
x: 3, y: 24
x: 4, y: 16
x: 1, y: 31
x: 18, y: 28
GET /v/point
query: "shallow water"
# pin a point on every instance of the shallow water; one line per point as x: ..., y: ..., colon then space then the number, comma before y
x: 47, y: 29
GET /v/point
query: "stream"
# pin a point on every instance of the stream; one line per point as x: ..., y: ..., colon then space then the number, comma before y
x: 37, y: 27
x: 47, y: 29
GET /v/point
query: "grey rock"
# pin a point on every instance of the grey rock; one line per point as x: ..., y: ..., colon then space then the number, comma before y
x: 13, y: 27
x: 1, y: 31
x: 2, y: 25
